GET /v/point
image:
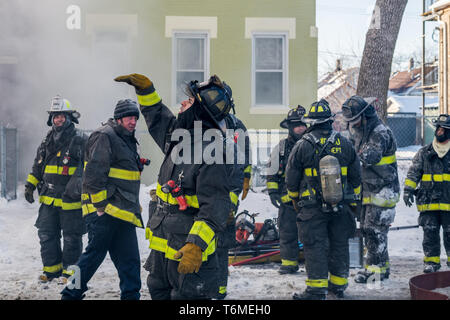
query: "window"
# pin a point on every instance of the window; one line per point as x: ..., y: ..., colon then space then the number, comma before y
x: 269, y: 68
x: 190, y: 61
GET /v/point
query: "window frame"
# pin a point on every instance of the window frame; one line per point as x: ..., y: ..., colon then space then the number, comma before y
x: 285, y: 71
x: 184, y: 34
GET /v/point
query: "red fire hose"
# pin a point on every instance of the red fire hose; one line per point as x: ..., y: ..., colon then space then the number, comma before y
x: 265, y: 255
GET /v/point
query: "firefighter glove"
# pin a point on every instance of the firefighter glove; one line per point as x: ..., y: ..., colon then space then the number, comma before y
x: 139, y: 81
x: 245, y: 188
x: 29, y: 194
x: 191, y: 258
x: 275, y: 198
x: 408, y: 197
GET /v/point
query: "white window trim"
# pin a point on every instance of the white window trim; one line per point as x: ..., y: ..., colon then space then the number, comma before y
x: 202, y: 34
x: 284, y: 106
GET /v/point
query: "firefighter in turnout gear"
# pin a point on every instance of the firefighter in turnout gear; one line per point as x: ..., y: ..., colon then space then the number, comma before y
x: 428, y: 180
x: 56, y: 173
x: 111, y: 183
x: 323, y: 180
x: 276, y: 186
x: 376, y: 146
x: 183, y: 262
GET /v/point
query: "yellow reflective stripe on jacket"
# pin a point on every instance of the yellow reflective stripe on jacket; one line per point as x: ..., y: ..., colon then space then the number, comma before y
x: 357, y: 190
x: 432, y: 259
x: 289, y: 262
x: 344, y: 171
x: 234, y: 198
x: 309, y: 172
x: 339, y: 281
x: 387, y: 160
x: 201, y: 229
x: 124, y: 174
x: 434, y: 207
x: 58, y: 170
x: 57, y: 202
x: 381, y: 202
x: 272, y: 185
x: 306, y: 193
x: 149, y: 99
x: 293, y: 194
x: 436, y: 177
x: 85, y: 196
x: 286, y: 199
x: 317, y: 283
x: 122, y: 214
x: 88, y: 208
x: 53, y: 269
x: 99, y: 196
x: 32, y: 179
x: 161, y: 245
x: 191, y: 200
x: 71, y: 205
x: 410, y: 183
x: 248, y: 169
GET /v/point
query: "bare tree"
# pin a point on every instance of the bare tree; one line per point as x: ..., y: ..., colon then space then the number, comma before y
x: 379, y: 50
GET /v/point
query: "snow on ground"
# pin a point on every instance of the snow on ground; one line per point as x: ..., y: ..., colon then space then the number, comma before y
x: 20, y: 262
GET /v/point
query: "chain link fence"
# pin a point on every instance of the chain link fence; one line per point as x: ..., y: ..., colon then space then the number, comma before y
x: 9, y: 168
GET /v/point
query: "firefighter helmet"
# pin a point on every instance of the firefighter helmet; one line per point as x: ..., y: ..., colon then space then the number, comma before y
x: 442, y: 121
x: 318, y: 113
x: 60, y: 105
x: 294, y: 116
x: 214, y: 96
x: 355, y: 106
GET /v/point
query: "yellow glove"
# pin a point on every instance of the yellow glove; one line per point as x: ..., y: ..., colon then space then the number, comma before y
x: 136, y: 80
x: 191, y: 258
x: 245, y: 188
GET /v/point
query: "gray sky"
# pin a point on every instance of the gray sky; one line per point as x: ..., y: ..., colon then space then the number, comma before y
x: 343, y: 26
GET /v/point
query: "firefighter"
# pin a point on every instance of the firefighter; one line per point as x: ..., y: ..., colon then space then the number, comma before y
x: 325, y: 221
x: 376, y: 146
x: 193, y: 196
x: 428, y: 180
x: 56, y: 173
x: 111, y: 183
x: 276, y: 186
x: 239, y: 173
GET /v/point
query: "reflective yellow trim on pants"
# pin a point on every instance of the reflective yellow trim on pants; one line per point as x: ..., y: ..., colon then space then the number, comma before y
x: 124, y: 174
x: 289, y: 262
x: 272, y: 185
x: 317, y: 283
x: 53, y: 269
x: 58, y: 170
x: 122, y: 214
x: 160, y: 244
x: 432, y: 259
x: 88, y: 208
x: 149, y: 99
x: 309, y: 172
x: 201, y: 229
x: 339, y: 281
x: 67, y: 272
x: 99, y: 196
x: 381, y: 202
x: 375, y: 269
x: 434, y: 207
x: 387, y: 160
x: 293, y: 194
x: 191, y: 200
x: 222, y: 289
x: 56, y: 202
x: 234, y: 198
x: 410, y: 183
x: 32, y: 179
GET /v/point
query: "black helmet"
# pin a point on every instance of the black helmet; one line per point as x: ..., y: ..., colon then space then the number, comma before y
x: 214, y: 96
x: 442, y: 121
x: 319, y: 112
x: 354, y: 106
x: 126, y: 108
x: 294, y: 116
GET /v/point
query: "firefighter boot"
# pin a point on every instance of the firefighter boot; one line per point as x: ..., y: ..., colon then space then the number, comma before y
x: 288, y: 269
x: 431, y: 267
x: 309, y: 296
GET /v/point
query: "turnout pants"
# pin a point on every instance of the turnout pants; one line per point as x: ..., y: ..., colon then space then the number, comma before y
x: 287, y: 227
x: 225, y: 241
x: 50, y: 222
x: 109, y: 234
x: 325, y: 245
x: 375, y: 222
x: 431, y: 223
